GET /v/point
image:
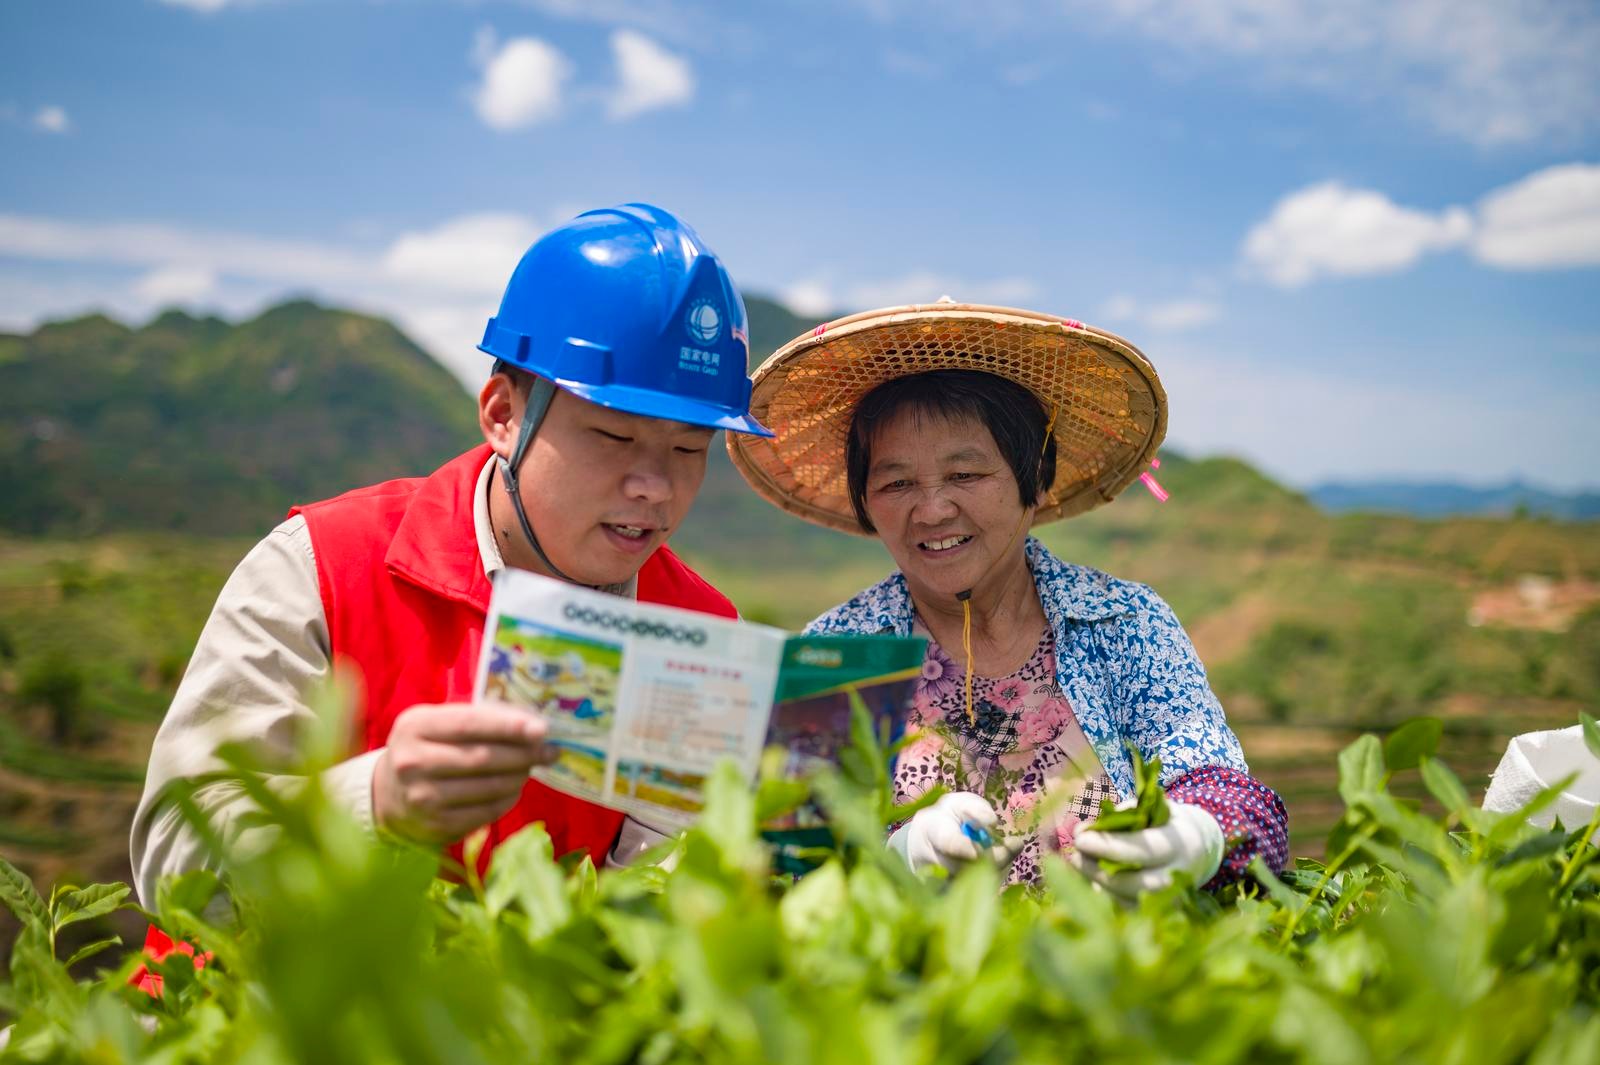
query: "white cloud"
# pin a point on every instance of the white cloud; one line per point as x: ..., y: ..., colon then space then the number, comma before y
x: 900, y: 61
x: 204, y: 6
x: 1100, y: 111
x: 648, y: 76
x: 1020, y: 74
x: 1330, y: 230
x: 926, y: 287
x: 1180, y: 315
x: 26, y: 300
x: 449, y: 331
x: 473, y: 253
x: 816, y: 296
x: 52, y: 119
x: 1489, y: 72
x: 167, y: 285
x: 1171, y: 316
x: 1307, y: 425
x: 522, y: 82
x: 440, y: 283
x: 1548, y: 219
x: 664, y: 17
x: 807, y: 299
x: 1120, y: 309
x: 155, y: 245
x: 1485, y: 71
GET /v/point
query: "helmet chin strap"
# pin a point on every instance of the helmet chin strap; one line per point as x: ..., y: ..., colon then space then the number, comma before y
x: 538, y: 405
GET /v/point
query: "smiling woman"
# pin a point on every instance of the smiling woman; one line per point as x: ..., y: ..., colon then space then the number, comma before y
x: 945, y: 468
x: 947, y: 431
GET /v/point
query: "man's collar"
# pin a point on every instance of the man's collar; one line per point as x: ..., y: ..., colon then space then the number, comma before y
x: 488, y: 546
x: 428, y: 547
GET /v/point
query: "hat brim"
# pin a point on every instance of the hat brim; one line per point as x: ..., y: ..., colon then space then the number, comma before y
x: 650, y: 404
x: 1109, y: 406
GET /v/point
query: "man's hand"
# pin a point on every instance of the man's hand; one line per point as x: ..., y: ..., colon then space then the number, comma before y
x: 935, y: 836
x: 1191, y: 842
x: 452, y: 768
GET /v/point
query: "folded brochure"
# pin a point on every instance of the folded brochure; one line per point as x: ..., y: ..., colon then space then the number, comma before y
x: 644, y: 700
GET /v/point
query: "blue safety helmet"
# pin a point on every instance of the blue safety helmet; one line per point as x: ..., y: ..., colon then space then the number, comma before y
x: 627, y: 308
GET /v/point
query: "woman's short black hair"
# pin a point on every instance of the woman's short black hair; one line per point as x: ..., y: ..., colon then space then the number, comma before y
x: 1013, y: 415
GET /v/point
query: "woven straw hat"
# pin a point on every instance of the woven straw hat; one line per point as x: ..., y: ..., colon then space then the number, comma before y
x: 1111, y: 411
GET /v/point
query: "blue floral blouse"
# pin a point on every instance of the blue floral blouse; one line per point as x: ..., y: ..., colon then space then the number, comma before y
x: 1122, y: 660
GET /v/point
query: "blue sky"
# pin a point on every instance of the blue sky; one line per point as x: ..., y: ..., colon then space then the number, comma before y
x: 1357, y: 240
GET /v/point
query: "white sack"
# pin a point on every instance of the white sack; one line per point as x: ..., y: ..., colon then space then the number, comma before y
x: 1536, y: 760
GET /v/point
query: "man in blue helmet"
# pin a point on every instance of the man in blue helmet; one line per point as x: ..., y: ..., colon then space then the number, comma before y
x: 620, y: 347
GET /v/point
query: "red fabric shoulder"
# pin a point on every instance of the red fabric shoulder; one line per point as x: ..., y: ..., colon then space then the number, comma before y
x: 349, y: 531
x: 358, y: 507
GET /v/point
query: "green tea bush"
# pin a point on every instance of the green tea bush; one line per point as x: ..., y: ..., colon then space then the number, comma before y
x: 1470, y: 938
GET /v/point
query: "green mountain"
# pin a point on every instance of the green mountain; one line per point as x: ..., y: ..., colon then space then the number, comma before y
x: 200, y: 426
x: 772, y: 325
x: 1442, y: 499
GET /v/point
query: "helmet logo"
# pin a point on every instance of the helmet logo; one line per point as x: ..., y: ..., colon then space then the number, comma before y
x: 703, y: 322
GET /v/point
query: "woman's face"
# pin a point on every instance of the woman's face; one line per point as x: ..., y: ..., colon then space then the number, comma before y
x: 944, y: 501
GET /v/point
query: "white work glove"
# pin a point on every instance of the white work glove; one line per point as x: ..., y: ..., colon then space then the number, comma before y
x: 934, y: 835
x: 1190, y: 841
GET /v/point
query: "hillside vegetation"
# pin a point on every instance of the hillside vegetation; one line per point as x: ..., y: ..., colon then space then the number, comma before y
x: 195, y: 425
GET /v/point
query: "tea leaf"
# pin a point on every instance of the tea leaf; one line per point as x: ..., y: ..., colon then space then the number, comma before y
x: 20, y: 897
x: 1412, y: 741
x: 1408, y: 942
x: 1534, y: 848
x: 1149, y: 808
x: 89, y: 950
x: 1445, y: 786
x: 969, y: 916
x: 85, y: 904
x: 524, y: 872
x: 1361, y: 769
x: 1591, y: 733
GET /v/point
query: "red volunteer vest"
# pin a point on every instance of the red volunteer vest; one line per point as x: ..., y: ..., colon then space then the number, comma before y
x: 404, y: 594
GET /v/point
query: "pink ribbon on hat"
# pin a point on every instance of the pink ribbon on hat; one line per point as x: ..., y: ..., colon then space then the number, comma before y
x: 1161, y: 494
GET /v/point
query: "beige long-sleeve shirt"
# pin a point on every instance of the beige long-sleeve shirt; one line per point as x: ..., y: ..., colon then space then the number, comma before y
x: 264, y: 646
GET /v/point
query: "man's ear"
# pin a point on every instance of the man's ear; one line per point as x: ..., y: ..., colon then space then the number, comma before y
x: 500, y: 406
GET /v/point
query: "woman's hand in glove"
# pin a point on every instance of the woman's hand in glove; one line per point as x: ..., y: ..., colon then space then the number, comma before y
x: 1190, y: 841
x: 934, y: 835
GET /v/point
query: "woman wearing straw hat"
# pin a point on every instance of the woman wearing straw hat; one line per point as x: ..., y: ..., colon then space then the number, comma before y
x: 947, y: 430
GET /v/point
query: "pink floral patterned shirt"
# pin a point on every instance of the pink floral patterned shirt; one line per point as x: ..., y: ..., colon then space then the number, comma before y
x: 1021, y: 743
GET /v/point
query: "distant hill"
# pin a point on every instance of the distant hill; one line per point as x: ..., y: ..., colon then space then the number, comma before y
x: 197, y: 425
x: 203, y: 426
x: 1442, y: 499
x: 773, y: 325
